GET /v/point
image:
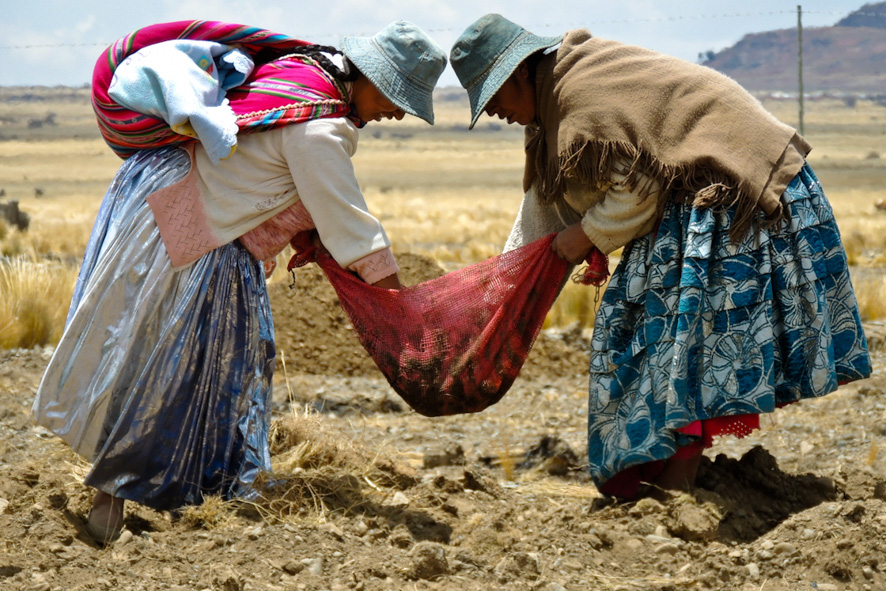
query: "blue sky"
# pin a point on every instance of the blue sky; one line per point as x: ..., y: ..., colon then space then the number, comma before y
x: 56, y: 42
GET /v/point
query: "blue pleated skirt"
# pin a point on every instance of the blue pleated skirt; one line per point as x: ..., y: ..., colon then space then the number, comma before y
x: 162, y: 378
x: 693, y: 327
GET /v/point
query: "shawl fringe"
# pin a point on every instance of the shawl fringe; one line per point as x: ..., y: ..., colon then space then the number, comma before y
x: 595, y: 162
x: 605, y: 109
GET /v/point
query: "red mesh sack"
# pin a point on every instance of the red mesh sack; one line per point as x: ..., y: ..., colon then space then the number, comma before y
x: 453, y: 344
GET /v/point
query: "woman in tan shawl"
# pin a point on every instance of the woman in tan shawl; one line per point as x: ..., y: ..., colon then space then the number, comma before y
x: 732, y: 295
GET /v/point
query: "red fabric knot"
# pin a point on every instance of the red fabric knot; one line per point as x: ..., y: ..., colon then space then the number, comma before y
x: 305, y: 250
x: 596, y: 272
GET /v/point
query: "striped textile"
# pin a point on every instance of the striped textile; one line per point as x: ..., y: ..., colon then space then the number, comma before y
x: 282, y: 92
x: 288, y: 90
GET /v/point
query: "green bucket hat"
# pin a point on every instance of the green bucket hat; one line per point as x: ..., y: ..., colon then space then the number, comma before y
x: 488, y: 52
x: 403, y: 63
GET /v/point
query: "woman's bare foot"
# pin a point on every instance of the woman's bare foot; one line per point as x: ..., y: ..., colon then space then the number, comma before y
x: 679, y: 473
x: 105, y: 521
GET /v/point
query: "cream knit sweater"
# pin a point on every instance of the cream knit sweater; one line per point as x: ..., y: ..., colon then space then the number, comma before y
x: 272, y: 170
x: 611, y: 217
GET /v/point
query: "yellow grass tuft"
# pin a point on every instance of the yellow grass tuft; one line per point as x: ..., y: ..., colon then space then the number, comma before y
x: 576, y: 304
x: 36, y: 296
x: 870, y: 291
x: 872, y: 454
x: 213, y: 513
x: 301, y: 441
x: 317, y: 471
x: 864, y: 240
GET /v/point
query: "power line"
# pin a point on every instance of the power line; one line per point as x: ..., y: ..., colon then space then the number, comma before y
x: 564, y: 26
x: 54, y: 45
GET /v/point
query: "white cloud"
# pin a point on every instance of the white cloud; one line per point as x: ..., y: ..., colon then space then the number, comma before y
x: 85, y: 25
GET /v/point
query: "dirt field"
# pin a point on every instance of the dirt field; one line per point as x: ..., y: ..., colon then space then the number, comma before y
x: 372, y: 496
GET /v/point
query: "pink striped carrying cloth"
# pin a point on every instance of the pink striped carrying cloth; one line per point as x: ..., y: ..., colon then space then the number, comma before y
x: 282, y: 90
x: 278, y: 93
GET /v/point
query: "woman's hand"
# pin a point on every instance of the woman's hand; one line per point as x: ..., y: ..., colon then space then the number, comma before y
x: 572, y: 244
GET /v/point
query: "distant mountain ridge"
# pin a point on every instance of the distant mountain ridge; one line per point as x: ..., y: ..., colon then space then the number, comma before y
x: 849, y: 57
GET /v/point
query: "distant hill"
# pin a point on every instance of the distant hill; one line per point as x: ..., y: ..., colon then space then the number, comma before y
x: 849, y: 57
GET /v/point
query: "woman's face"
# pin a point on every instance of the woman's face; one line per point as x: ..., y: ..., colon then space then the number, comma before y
x: 371, y: 104
x: 515, y: 100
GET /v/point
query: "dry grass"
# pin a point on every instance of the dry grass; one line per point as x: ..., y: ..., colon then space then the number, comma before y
x: 36, y: 296
x: 870, y: 290
x: 440, y: 192
x: 48, y: 238
x: 299, y: 442
x: 317, y: 472
x: 62, y: 170
x: 213, y: 513
x: 576, y: 304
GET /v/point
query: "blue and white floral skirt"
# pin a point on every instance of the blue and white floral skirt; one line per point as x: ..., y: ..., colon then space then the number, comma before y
x: 693, y: 327
x: 162, y: 377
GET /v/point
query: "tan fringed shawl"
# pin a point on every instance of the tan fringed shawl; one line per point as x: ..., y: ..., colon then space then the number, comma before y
x: 695, y: 130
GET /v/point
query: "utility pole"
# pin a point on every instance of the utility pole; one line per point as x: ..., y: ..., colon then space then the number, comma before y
x: 800, y: 61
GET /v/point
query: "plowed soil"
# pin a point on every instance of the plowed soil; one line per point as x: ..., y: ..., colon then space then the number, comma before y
x: 369, y: 495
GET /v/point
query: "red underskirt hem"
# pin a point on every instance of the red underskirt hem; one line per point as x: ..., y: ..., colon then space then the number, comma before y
x: 626, y: 484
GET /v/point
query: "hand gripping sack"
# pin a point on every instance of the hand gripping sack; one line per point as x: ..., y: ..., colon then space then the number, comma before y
x: 453, y: 344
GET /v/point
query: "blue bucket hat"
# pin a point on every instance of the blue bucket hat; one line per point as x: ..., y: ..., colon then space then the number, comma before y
x: 488, y: 52
x: 403, y: 63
